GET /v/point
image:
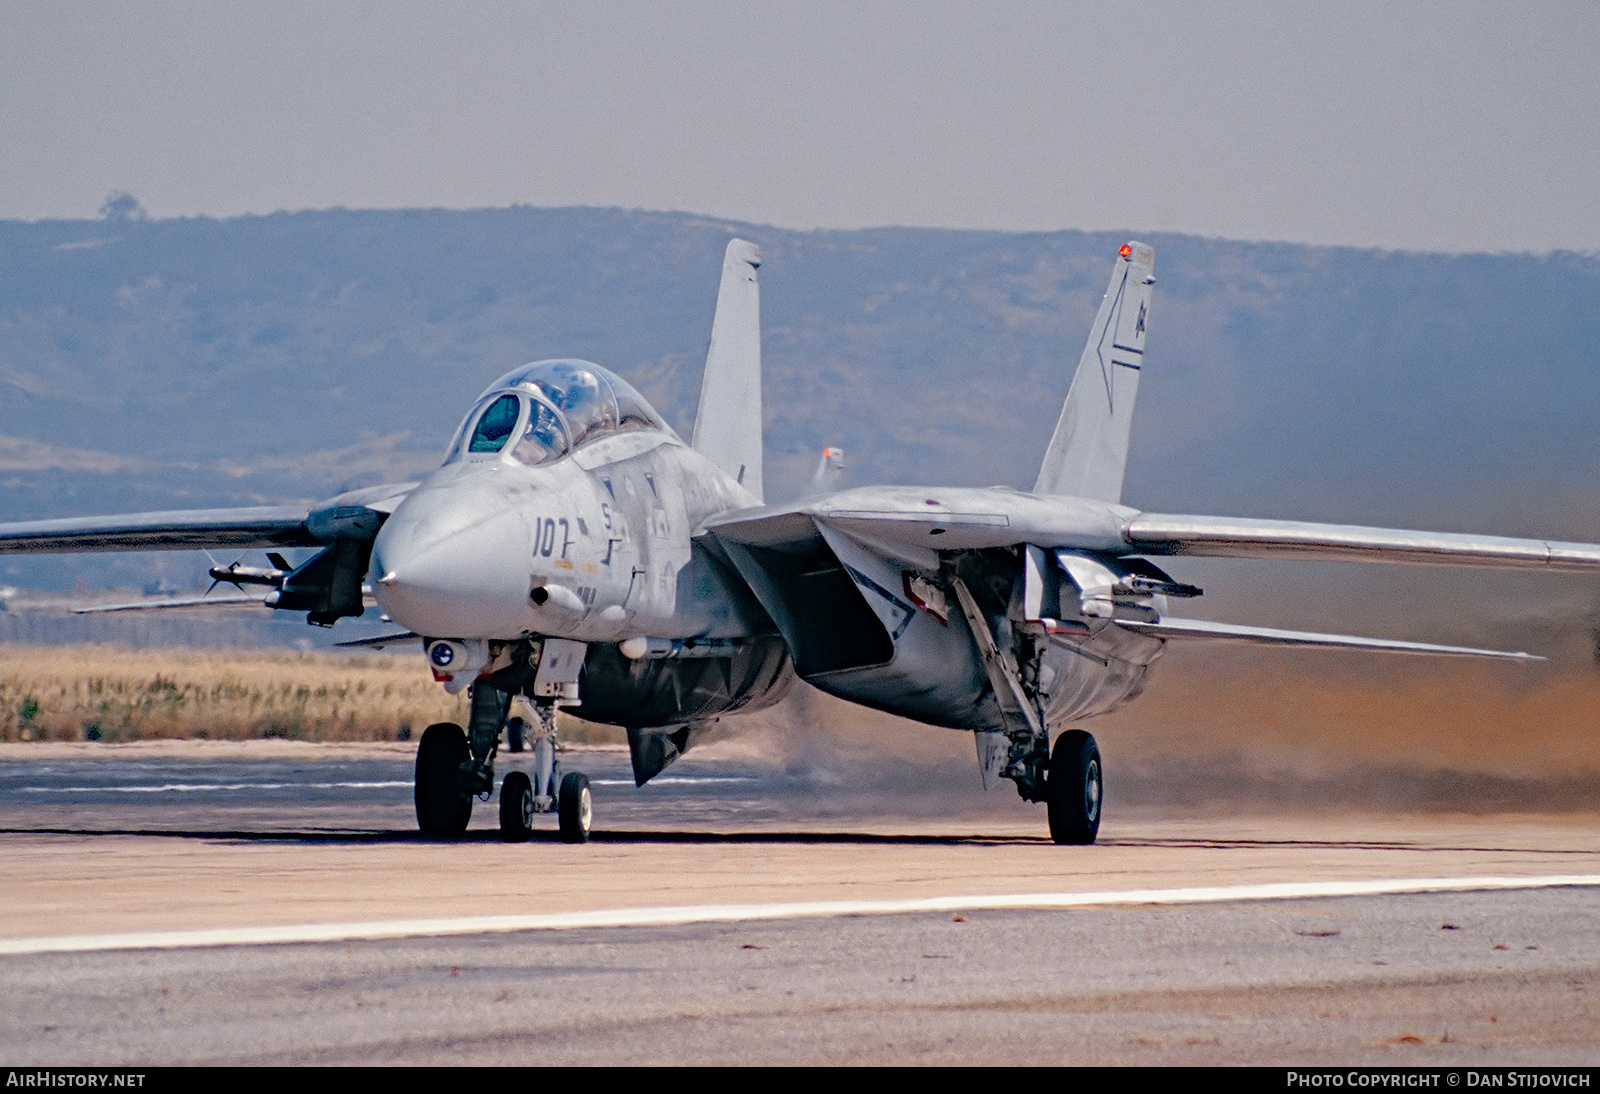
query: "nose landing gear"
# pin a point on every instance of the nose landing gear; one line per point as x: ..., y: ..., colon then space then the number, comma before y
x: 544, y: 789
x: 448, y: 777
x: 455, y: 765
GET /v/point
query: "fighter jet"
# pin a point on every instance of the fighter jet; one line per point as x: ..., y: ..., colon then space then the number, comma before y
x: 574, y: 552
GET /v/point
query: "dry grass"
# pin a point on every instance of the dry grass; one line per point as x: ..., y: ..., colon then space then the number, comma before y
x: 1314, y: 714
x: 69, y: 693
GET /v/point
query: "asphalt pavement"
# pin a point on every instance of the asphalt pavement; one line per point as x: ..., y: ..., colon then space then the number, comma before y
x: 189, y: 839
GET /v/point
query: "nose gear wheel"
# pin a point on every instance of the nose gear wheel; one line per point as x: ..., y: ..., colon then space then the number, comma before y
x: 516, y: 808
x: 576, y: 808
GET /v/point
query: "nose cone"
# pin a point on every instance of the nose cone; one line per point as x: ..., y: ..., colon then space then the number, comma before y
x: 451, y: 561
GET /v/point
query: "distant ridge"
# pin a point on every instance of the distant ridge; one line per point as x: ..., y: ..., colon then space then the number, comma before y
x: 208, y: 360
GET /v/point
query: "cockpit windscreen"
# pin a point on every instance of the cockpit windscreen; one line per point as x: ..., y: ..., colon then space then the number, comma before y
x: 558, y: 405
x: 496, y: 425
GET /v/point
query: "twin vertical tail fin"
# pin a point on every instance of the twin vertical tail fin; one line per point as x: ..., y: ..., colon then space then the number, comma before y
x: 727, y: 427
x: 1087, y: 454
x: 1089, y: 451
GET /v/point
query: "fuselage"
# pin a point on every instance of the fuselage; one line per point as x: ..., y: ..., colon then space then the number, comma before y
x: 552, y: 519
x: 596, y: 553
x: 592, y: 542
x: 538, y: 527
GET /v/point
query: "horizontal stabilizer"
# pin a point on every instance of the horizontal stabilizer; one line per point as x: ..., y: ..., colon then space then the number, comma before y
x: 1234, y: 537
x: 221, y: 600
x: 379, y: 641
x: 1268, y: 636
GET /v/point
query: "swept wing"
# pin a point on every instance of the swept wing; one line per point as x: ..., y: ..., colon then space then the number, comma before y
x: 328, y: 586
x: 913, y: 521
x: 915, y: 528
x: 1235, y: 537
x: 262, y: 526
x: 352, y: 515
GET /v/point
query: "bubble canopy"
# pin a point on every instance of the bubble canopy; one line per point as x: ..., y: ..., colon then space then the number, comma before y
x: 542, y: 411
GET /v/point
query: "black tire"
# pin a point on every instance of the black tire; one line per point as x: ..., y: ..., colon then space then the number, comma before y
x: 1074, y: 789
x: 515, y: 731
x: 516, y: 808
x: 576, y: 807
x: 442, y: 809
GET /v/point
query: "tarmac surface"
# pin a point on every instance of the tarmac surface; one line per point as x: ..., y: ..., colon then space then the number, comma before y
x: 754, y: 862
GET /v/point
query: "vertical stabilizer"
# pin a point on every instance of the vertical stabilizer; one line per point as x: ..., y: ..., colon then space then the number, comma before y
x: 727, y: 427
x: 829, y: 474
x: 1089, y: 451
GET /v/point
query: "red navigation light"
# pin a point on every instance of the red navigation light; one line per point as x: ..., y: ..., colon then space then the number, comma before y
x: 1125, y: 250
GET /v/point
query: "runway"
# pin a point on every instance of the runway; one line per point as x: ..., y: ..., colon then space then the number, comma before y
x: 279, y: 837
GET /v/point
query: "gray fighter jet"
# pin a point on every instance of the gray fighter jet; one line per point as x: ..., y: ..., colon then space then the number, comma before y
x: 573, y: 551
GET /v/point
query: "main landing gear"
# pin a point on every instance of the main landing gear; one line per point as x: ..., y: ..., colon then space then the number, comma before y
x: 443, y: 808
x: 1066, y: 779
x: 451, y: 772
x: 1073, y: 788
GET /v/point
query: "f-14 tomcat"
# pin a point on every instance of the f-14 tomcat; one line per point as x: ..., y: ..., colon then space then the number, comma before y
x: 574, y: 552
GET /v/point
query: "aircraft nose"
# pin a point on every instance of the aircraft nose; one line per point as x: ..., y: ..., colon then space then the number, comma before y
x: 446, y: 563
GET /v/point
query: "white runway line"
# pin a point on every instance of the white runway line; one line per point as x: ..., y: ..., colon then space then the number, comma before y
x: 726, y: 913
x: 679, y: 780
x: 391, y: 784
x: 195, y: 788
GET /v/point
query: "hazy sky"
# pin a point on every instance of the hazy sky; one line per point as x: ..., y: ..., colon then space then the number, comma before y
x: 1450, y: 126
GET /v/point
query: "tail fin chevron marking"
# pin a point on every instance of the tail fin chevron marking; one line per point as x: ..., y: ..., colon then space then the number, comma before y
x: 727, y: 426
x: 1089, y: 451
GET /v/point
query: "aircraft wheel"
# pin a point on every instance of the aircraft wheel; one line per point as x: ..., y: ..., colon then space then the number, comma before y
x: 516, y: 808
x: 1074, y: 788
x: 576, y: 807
x: 442, y: 809
x: 515, y: 733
